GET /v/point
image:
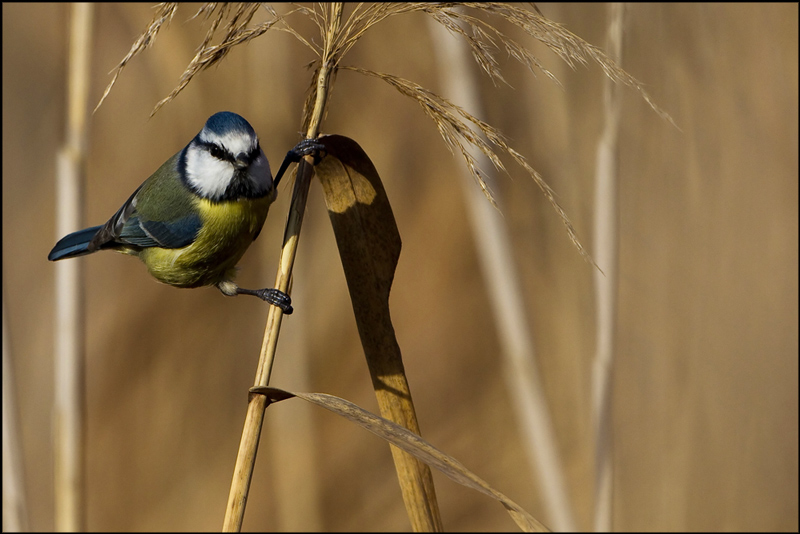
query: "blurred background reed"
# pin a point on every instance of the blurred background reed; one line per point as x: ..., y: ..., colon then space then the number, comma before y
x: 705, y: 385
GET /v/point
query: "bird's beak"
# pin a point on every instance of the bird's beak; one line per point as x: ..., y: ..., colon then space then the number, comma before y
x: 242, y: 161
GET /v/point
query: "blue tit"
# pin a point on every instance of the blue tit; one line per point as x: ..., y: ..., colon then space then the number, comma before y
x: 193, y: 219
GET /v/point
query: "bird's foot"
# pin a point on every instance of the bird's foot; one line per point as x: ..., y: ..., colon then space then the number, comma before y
x: 276, y: 297
x: 308, y: 147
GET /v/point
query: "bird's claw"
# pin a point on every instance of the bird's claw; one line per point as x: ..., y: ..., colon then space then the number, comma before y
x: 276, y: 297
x: 308, y: 147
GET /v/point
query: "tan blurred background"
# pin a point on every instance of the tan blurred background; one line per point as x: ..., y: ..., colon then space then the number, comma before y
x: 705, y: 390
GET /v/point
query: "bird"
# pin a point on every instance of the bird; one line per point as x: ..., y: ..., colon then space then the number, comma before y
x: 193, y: 219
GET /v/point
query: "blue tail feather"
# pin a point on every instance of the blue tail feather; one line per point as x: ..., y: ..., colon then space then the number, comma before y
x: 74, y: 244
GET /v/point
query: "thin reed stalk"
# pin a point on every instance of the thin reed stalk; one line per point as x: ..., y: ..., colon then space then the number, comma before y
x: 504, y: 289
x: 15, y: 508
x: 69, y: 395
x: 606, y: 255
x: 245, y: 461
x: 295, y: 468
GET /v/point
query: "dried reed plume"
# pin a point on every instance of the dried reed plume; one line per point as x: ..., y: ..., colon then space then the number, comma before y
x: 458, y: 128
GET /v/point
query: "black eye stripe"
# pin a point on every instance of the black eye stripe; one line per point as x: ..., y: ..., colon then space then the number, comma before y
x: 218, y: 152
x: 222, y: 154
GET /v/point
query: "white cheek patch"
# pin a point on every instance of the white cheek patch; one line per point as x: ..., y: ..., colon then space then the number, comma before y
x: 208, y: 175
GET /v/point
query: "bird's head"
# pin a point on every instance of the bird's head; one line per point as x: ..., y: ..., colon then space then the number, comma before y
x: 225, y: 161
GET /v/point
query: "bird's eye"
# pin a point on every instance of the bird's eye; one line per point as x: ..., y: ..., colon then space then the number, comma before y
x: 217, y: 152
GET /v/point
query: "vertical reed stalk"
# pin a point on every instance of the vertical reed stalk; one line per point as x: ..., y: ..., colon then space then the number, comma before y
x: 69, y: 395
x: 605, y: 242
x: 504, y: 290
x: 15, y: 510
x: 245, y: 461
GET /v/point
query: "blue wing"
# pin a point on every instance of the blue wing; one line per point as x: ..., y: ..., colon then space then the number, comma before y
x: 160, y: 213
x: 176, y: 233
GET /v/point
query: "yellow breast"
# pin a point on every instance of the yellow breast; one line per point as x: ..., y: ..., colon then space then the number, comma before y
x: 228, y: 229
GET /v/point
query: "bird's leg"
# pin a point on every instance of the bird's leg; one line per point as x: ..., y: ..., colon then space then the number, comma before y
x: 276, y: 297
x: 306, y: 147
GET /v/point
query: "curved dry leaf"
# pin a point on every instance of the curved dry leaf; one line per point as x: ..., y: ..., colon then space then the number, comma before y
x: 369, y: 247
x: 360, y: 213
x: 412, y: 444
